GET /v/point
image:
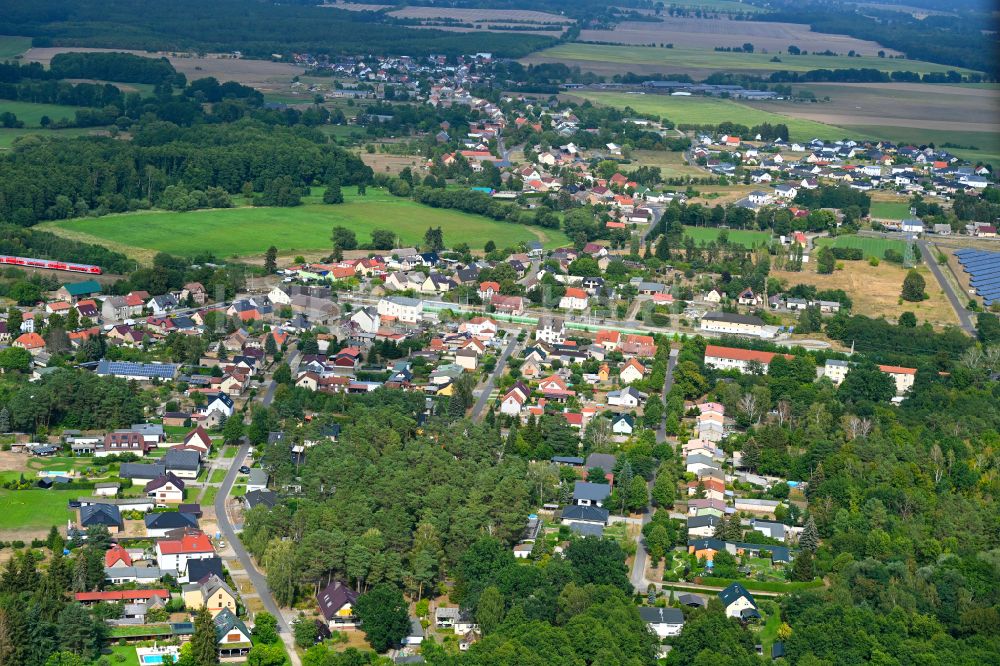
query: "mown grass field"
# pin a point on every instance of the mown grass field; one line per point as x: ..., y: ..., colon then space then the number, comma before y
x: 31, y: 113
x: 691, y: 58
x: 11, y: 47
x: 712, y: 111
x: 736, y: 236
x: 872, y: 247
x: 976, y: 146
x: 248, y: 231
x: 890, y: 210
x: 34, y: 509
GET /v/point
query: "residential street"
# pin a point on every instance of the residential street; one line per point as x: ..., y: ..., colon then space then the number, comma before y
x: 256, y: 577
x: 479, y: 409
x: 638, y: 577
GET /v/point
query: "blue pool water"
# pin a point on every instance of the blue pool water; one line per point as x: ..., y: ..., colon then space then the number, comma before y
x: 152, y: 659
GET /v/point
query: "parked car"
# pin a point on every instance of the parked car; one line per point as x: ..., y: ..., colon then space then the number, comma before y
x: 244, y: 470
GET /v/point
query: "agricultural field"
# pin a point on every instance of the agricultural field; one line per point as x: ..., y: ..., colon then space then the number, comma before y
x: 875, y: 290
x: 890, y: 210
x: 11, y: 47
x: 606, y: 60
x: 871, y: 246
x: 9, y: 135
x: 708, y: 33
x: 249, y: 231
x: 919, y: 113
x: 262, y: 74
x: 712, y: 111
x: 736, y: 236
x: 670, y: 164
x: 33, y: 511
x: 31, y: 113
x: 495, y: 20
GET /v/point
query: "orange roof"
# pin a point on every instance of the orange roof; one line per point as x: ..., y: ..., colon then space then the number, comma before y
x: 189, y: 543
x: 740, y: 354
x: 486, y: 286
x: 116, y: 553
x: 121, y: 595
x: 58, y: 305
x: 611, y: 224
x: 575, y: 292
x: 30, y: 341
x: 635, y: 364
x: 608, y: 336
x: 897, y: 370
x: 640, y: 339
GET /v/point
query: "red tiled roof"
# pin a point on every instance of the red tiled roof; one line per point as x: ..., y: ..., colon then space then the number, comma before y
x: 121, y: 595
x: 897, y: 370
x: 740, y: 354
x: 189, y: 543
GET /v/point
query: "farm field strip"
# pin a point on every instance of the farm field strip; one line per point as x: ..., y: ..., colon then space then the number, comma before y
x: 31, y: 113
x: 870, y: 246
x: 890, y: 210
x: 250, y: 231
x: 746, y: 238
x: 668, y: 60
x: 11, y: 47
x: 712, y: 111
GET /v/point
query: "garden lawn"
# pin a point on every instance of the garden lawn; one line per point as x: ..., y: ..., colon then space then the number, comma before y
x: 34, y: 509
x: 736, y: 236
x: 250, y: 231
x: 872, y: 247
x: 890, y: 210
x: 124, y: 655
x: 696, y: 110
x: 218, y: 475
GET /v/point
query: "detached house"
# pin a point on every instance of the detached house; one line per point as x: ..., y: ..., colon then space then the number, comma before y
x: 211, y: 592
x: 632, y: 371
x: 336, y: 603
x: 575, y: 299
x: 175, y: 553
x: 166, y: 489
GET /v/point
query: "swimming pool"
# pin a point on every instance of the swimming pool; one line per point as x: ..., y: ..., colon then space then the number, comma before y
x: 152, y: 659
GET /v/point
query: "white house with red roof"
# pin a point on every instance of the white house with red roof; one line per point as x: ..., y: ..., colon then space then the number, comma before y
x: 575, y: 299
x: 175, y: 553
x: 732, y: 358
x: 483, y: 328
x: 904, y: 377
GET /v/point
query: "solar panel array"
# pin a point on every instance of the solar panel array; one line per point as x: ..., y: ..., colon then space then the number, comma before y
x: 984, y: 272
x: 130, y: 369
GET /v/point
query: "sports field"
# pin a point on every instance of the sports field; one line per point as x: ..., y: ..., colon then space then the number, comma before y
x: 736, y: 236
x: 603, y: 58
x: 712, y: 111
x: 250, y: 231
x: 34, y: 509
x: 871, y: 246
x: 31, y: 113
x: 890, y: 210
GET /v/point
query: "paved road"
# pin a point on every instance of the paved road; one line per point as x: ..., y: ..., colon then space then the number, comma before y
x: 638, y: 576
x: 258, y: 580
x: 293, y: 362
x: 964, y: 317
x: 479, y: 409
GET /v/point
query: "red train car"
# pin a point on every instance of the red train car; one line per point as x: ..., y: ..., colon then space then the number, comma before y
x: 30, y: 262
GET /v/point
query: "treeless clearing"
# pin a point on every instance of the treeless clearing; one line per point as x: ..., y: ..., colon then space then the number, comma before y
x: 255, y: 73
x: 671, y: 164
x: 926, y: 106
x: 875, y: 290
x: 386, y: 163
x: 708, y: 33
x: 480, y: 15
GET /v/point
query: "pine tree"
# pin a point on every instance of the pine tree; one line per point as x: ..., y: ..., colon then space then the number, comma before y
x: 720, y: 529
x: 271, y: 260
x: 204, y: 642
x: 803, y: 569
x: 651, y: 594
x: 270, y: 346
x: 4, y: 420
x: 734, y: 531
x: 809, y: 539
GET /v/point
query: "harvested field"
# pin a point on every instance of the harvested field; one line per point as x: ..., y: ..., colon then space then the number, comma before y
x: 670, y: 164
x: 385, y: 163
x: 256, y: 73
x: 480, y: 15
x: 875, y: 290
x: 708, y: 33
x: 918, y: 105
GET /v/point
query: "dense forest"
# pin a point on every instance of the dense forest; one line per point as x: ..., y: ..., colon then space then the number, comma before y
x: 54, y: 179
x: 257, y: 29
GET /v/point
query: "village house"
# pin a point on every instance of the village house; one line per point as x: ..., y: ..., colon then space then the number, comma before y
x: 211, y: 592
x: 336, y: 604
x: 742, y: 360
x: 734, y: 324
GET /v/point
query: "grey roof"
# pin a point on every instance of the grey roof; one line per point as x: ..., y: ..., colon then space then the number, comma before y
x: 772, y: 529
x: 225, y: 622
x: 687, y: 599
x: 404, y: 301
x: 661, y: 615
x: 199, y: 569
x: 141, y: 470
x: 178, y: 459
x: 333, y: 597
x: 594, y: 514
x: 595, y: 492
x: 605, y: 461
x: 587, y: 529
x: 567, y: 460
x: 258, y: 497
x: 707, y: 520
x: 100, y: 514
x: 139, y: 573
x: 734, y: 592
x: 734, y: 318
x: 257, y: 477
x: 169, y: 520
